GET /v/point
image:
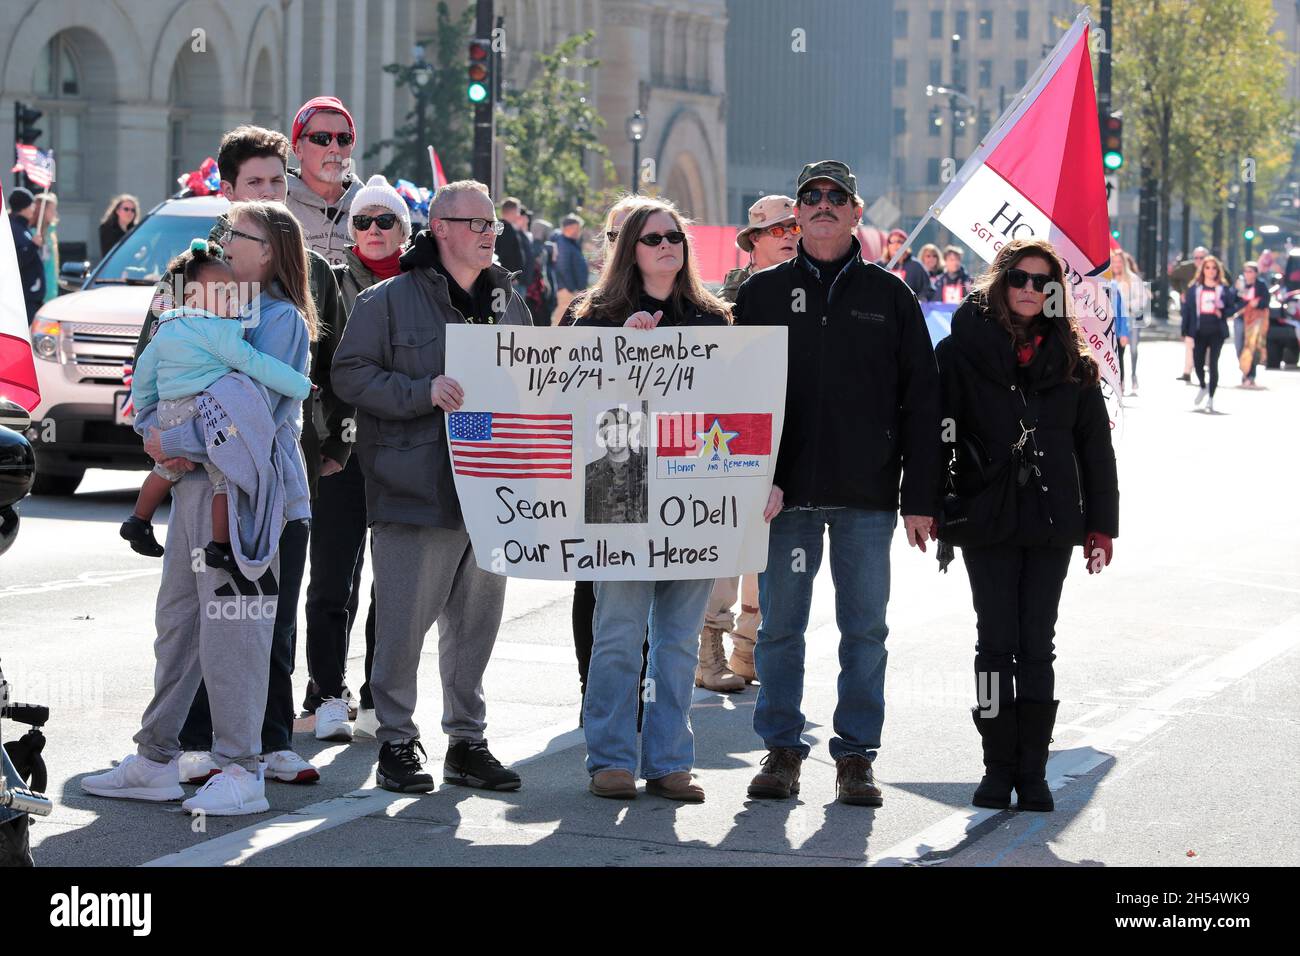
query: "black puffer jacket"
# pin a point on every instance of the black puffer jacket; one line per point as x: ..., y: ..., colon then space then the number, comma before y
x: 987, y: 395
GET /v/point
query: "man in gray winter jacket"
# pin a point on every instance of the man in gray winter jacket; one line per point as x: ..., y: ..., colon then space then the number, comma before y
x: 390, y: 364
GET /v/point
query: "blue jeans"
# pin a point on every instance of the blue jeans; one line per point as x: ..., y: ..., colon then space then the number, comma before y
x: 860, y: 570
x: 675, y: 611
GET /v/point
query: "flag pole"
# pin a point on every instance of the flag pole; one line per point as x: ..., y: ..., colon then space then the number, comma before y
x: 977, y: 154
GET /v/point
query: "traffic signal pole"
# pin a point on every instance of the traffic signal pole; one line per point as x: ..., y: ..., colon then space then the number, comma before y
x: 484, y: 114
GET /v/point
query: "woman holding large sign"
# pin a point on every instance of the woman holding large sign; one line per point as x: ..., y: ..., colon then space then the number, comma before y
x: 1034, y: 476
x: 650, y: 281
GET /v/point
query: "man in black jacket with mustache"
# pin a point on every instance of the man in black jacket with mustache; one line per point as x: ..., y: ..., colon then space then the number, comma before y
x: 862, y: 410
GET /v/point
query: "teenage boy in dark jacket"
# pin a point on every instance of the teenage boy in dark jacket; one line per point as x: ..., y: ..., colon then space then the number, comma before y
x: 861, y: 411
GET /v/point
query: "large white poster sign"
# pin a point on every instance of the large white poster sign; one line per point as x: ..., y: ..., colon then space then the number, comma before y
x: 616, y: 454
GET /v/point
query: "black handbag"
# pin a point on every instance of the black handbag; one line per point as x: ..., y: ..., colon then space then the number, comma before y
x: 980, y: 506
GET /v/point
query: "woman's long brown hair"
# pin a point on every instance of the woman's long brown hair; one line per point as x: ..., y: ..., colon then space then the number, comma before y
x: 991, y: 292
x: 617, y: 295
x: 1199, y: 278
x: 288, y: 253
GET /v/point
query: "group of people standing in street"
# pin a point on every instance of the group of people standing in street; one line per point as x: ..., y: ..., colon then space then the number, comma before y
x: 347, y: 296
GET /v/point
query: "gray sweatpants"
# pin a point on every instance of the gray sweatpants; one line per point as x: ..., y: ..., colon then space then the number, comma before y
x: 209, y: 631
x: 423, y: 575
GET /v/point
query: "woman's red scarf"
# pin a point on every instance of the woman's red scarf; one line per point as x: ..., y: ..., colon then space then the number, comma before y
x: 384, y: 268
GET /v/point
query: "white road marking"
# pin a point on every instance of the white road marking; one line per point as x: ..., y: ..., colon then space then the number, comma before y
x: 1129, y: 728
x: 90, y: 579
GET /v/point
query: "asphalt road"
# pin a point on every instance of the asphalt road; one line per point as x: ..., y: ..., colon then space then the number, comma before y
x: 1176, y: 743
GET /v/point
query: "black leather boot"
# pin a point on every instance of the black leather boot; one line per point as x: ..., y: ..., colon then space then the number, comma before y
x: 998, y: 734
x: 1035, y: 720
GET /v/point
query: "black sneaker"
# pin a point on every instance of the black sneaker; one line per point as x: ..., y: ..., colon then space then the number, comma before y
x: 401, y: 770
x: 140, y: 534
x: 472, y: 765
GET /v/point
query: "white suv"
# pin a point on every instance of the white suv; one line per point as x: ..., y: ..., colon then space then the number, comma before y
x: 82, y: 340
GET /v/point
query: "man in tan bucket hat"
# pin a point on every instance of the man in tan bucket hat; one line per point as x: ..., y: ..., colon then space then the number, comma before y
x: 770, y: 238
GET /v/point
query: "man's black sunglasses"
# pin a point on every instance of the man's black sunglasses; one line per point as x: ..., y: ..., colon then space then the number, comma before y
x: 385, y: 221
x: 654, y: 238
x: 323, y: 139
x: 811, y: 197
x: 1016, y: 278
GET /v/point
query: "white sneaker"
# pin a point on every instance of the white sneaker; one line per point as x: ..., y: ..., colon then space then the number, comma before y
x: 1200, y: 395
x: 1209, y: 406
x: 287, y: 767
x: 332, y: 720
x: 197, y: 767
x: 232, y: 792
x: 366, y: 725
x: 137, y: 778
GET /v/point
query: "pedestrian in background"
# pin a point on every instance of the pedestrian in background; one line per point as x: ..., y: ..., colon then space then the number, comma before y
x: 770, y: 237
x: 1031, y: 434
x: 571, y: 270
x: 47, y: 219
x: 1251, y: 321
x: 861, y: 345
x: 1207, y: 303
x: 121, y: 216
x: 1182, y: 275
x: 27, y: 245
x: 650, y: 282
x: 952, y: 284
x: 931, y: 260
x: 1137, y: 302
x: 380, y: 224
x: 907, y: 268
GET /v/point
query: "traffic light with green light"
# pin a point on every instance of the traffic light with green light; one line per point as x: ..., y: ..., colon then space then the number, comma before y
x: 1248, y: 234
x: 1112, y: 143
x: 479, y: 72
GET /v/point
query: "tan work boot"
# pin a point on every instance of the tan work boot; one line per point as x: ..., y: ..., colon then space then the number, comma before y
x: 676, y: 786
x: 741, y: 661
x: 711, y: 672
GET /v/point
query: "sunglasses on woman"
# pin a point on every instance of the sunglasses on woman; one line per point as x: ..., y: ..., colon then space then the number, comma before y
x: 384, y: 221
x: 1017, y: 278
x: 479, y: 225
x: 836, y: 197
x: 780, y: 232
x: 652, y: 239
x: 323, y: 138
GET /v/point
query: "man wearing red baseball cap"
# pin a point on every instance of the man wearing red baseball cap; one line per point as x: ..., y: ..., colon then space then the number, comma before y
x: 322, y: 188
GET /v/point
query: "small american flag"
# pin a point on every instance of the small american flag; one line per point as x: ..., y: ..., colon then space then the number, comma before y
x: 506, y: 445
x: 128, y: 376
x: 35, y: 165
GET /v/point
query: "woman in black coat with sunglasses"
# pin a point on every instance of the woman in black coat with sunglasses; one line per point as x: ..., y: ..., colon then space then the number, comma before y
x: 1032, y: 477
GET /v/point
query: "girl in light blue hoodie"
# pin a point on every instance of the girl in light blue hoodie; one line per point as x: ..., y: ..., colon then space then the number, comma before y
x: 194, y: 346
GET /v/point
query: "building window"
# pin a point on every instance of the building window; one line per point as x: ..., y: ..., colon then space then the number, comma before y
x: 1022, y: 72
x: 936, y: 120
x: 932, y: 171
x: 900, y: 121
x: 986, y: 24
x: 900, y: 24
x: 984, y: 122
x: 963, y: 21
x: 57, y: 81
x: 936, y: 72
x: 986, y: 74
x: 900, y: 170
x: 1022, y: 24
x: 936, y: 24
x: 900, y: 73
x: 959, y: 74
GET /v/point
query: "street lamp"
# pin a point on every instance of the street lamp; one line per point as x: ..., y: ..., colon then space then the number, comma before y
x: 636, y: 133
x: 421, y: 73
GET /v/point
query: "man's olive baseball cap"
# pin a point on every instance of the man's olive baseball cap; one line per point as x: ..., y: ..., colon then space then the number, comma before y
x: 832, y: 169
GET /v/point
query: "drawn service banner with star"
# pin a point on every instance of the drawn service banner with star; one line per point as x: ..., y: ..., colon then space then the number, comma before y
x: 616, y: 454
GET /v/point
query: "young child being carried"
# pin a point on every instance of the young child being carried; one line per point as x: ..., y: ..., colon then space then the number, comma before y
x: 194, y: 346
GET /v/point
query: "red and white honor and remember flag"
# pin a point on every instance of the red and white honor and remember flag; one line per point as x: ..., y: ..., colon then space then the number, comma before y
x: 35, y: 165
x: 17, y: 365
x: 1039, y: 174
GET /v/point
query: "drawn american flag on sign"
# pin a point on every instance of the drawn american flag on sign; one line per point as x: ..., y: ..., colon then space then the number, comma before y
x: 506, y: 445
